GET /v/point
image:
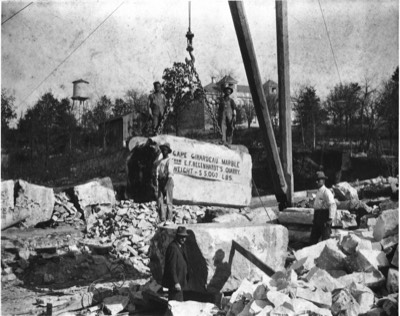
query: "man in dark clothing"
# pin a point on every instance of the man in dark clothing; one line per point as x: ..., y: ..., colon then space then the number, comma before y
x: 227, y: 115
x: 176, y: 266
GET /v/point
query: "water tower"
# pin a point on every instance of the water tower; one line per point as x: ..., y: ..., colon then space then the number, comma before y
x: 80, y: 93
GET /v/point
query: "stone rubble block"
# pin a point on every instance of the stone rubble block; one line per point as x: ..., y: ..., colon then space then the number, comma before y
x: 395, y: 260
x: 331, y: 258
x: 7, y: 202
x: 34, y: 201
x: 317, y: 296
x: 115, y: 304
x: 363, y: 295
x: 313, y: 252
x: 192, y: 308
x: 392, y: 282
x: 344, y: 302
x: 389, y: 242
x: 95, y: 192
x: 372, y: 279
x: 323, y: 280
x: 387, y: 224
x: 208, y: 240
x: 297, y: 215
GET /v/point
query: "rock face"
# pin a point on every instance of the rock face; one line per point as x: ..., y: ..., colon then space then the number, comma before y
x: 7, y: 202
x: 203, y: 173
x: 387, y: 224
x: 34, y: 201
x: 95, y: 192
x: 209, y: 248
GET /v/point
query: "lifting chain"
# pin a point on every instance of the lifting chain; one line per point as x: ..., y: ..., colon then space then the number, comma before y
x: 197, y: 82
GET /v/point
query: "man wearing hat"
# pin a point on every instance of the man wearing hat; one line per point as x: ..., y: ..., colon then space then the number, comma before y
x: 157, y: 102
x: 165, y: 171
x: 176, y: 266
x: 324, y: 210
x: 227, y: 115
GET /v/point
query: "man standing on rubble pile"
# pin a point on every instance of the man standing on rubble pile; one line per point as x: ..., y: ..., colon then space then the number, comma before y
x: 157, y: 102
x: 324, y: 211
x: 227, y: 115
x: 176, y: 267
x: 164, y: 173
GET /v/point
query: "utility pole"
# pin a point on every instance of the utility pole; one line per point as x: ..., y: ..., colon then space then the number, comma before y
x: 259, y: 100
x: 285, y: 110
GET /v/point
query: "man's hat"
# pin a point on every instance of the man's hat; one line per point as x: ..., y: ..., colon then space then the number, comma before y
x: 321, y: 175
x: 227, y: 87
x: 181, y: 231
x: 166, y: 145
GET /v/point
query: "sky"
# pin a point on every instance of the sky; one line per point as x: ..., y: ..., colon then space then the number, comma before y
x: 131, y: 48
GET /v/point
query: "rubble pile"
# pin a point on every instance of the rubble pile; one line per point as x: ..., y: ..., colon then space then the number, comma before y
x: 128, y: 227
x: 355, y: 273
x: 65, y: 211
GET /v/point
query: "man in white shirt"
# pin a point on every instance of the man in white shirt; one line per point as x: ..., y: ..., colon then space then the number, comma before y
x: 324, y: 211
x: 165, y: 171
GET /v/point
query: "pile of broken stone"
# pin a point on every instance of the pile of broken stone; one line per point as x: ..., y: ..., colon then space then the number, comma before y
x: 355, y: 273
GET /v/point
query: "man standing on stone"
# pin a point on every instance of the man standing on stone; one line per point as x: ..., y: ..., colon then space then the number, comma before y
x: 324, y: 210
x: 227, y: 115
x: 157, y: 102
x: 176, y: 266
x: 164, y: 172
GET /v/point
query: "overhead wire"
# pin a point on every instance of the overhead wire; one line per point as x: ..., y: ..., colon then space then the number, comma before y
x: 16, y: 13
x: 71, y: 53
x: 330, y: 42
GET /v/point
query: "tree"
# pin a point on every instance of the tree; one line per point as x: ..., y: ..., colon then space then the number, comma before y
x: 249, y: 111
x: 343, y: 104
x: 101, y: 112
x: 309, y: 113
x: 120, y: 107
x: 273, y: 108
x: 7, y: 113
x: 47, y: 127
x: 388, y: 108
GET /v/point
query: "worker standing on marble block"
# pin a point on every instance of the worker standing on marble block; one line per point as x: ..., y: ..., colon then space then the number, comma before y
x: 176, y: 266
x: 324, y: 210
x: 227, y: 115
x: 165, y: 171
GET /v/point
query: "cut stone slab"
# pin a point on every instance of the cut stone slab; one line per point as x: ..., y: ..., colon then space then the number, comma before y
x: 205, y: 240
x: 331, y: 258
x: 392, y: 282
x: 313, y: 252
x: 395, y: 260
x: 387, y: 224
x: 231, y: 218
x: 95, y: 192
x: 297, y: 215
x: 34, y: 201
x: 192, y: 308
x: 263, y: 215
x: 209, y: 174
x: 116, y: 304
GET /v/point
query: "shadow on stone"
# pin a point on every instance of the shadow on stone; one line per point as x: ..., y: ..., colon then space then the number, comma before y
x: 222, y: 272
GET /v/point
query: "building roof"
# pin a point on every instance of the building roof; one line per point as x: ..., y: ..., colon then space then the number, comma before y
x: 227, y: 79
x: 80, y: 80
x: 212, y: 87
